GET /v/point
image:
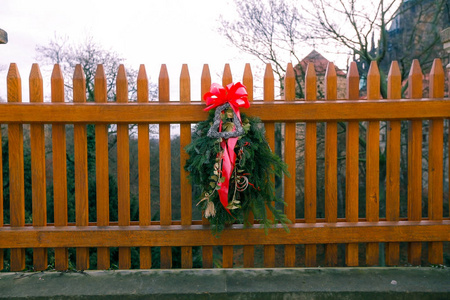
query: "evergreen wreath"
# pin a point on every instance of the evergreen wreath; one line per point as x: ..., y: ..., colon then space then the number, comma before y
x: 249, y: 185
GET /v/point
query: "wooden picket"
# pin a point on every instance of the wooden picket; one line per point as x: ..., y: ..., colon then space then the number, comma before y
x: 331, y: 254
x: 352, y: 166
x: 353, y: 230
x: 310, y: 163
x: 415, y: 162
x: 393, y: 164
x: 101, y: 166
x: 145, y: 216
x: 81, y: 168
x: 373, y: 163
x: 269, y: 95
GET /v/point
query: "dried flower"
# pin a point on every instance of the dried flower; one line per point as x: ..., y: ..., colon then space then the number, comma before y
x: 210, y: 210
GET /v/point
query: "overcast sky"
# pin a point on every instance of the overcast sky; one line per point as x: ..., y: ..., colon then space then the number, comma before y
x: 144, y: 32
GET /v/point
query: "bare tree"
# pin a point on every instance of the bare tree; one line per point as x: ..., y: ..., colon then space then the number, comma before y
x: 89, y: 54
x: 273, y: 31
x: 269, y: 30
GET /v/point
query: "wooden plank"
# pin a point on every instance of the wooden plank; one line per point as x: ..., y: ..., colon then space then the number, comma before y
x: 310, y: 163
x: 331, y: 254
x: 227, y: 259
x: 185, y: 186
x: 59, y: 168
x: 393, y: 164
x: 436, y: 162
x: 101, y: 166
x: 269, y: 96
x: 278, y: 111
x: 81, y: 171
x: 290, y: 153
x: 249, y: 251
x: 145, y: 216
x: 38, y: 182
x: 373, y: 163
x: 194, y: 235
x: 16, y: 172
x: 165, y: 168
x: 205, y: 84
x: 415, y: 162
x: 123, y: 167
x: 352, y: 166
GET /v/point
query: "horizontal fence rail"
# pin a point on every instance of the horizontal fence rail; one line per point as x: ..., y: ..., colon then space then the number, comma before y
x: 93, y: 183
x: 277, y: 111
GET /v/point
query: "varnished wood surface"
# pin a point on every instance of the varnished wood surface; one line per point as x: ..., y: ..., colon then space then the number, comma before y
x: 176, y: 112
x: 194, y: 235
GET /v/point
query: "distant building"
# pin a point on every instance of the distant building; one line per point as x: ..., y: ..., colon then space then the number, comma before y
x: 320, y: 66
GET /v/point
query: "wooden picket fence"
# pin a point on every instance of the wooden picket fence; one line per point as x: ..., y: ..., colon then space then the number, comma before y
x: 352, y: 231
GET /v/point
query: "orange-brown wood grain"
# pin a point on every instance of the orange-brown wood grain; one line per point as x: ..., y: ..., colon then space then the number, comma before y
x: 38, y: 178
x: 436, y: 162
x: 185, y: 186
x: 415, y: 162
x: 145, y: 254
x: 59, y: 168
x: 16, y: 172
x: 393, y: 164
x: 123, y: 167
x: 290, y: 153
x: 331, y: 253
x: 165, y: 185
x: 352, y: 166
x: 101, y: 166
x: 269, y: 96
x: 177, y: 235
x: 310, y: 163
x: 205, y: 84
x: 373, y: 163
x: 81, y: 168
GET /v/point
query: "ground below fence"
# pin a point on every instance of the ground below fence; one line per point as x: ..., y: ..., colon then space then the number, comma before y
x: 312, y: 283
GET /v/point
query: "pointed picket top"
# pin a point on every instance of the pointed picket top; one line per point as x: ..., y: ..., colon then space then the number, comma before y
x: 247, y: 80
x: 79, y: 84
x: 36, y: 84
x: 185, y: 84
x: 57, y: 83
x: 122, y: 85
x: 289, y: 83
x: 227, y: 78
x: 14, y: 84
x: 310, y: 82
x: 415, y: 80
x: 330, y: 82
x: 100, y: 89
x: 353, y: 82
x: 269, y: 90
x: 163, y: 80
x: 373, y: 82
x: 142, y: 85
x: 394, y: 82
x: 205, y: 81
x: 437, y: 79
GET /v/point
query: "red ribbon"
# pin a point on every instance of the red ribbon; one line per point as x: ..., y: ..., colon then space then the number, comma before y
x: 236, y: 95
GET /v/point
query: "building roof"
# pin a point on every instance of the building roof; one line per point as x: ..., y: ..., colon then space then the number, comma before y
x: 320, y: 64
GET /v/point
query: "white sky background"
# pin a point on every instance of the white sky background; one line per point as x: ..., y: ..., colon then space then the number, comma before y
x: 171, y: 32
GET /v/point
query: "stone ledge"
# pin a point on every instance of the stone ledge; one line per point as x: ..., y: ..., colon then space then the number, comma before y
x: 296, y: 283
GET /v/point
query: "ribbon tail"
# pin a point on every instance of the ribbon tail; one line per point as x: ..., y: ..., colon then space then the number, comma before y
x: 226, y: 173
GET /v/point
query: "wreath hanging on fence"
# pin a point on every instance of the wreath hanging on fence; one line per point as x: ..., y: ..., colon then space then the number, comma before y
x: 232, y: 164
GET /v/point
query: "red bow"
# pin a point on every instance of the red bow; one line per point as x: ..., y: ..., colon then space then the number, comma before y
x: 236, y: 95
